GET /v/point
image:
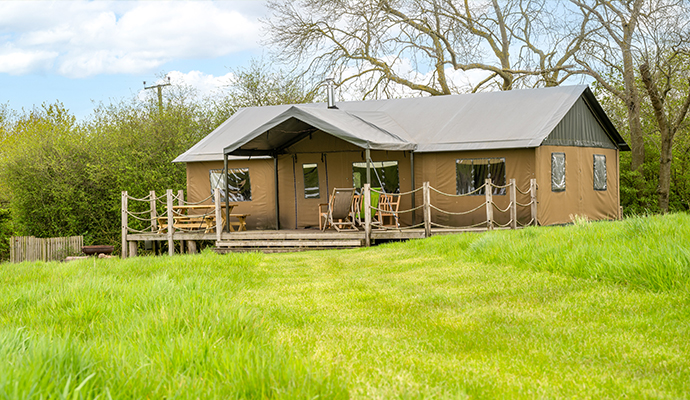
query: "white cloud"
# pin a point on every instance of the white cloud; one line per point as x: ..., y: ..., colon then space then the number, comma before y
x: 99, y: 37
x: 16, y: 62
x: 204, y: 84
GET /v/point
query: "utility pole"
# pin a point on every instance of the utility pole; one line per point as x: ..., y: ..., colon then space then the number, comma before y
x: 160, y: 93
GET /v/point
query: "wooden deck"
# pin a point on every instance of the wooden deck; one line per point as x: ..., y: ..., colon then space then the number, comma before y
x: 303, y: 239
x: 295, y: 240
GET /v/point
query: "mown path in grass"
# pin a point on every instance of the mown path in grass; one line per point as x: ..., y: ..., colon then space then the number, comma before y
x: 448, y: 317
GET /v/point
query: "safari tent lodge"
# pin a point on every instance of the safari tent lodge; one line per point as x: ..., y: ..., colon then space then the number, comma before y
x: 550, y: 154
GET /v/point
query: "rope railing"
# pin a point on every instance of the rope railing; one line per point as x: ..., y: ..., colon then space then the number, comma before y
x: 140, y: 218
x: 528, y: 191
x: 399, y: 228
x: 147, y: 198
x: 194, y: 203
x: 457, y: 213
x: 499, y: 208
x: 472, y: 193
x: 394, y: 210
x: 504, y: 225
x: 489, y: 190
x: 166, y: 214
x: 526, y: 224
x: 436, y: 224
x: 133, y: 213
x: 373, y: 190
x: 145, y: 230
x: 477, y: 189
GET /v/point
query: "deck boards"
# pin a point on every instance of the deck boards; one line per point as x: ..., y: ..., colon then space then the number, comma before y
x: 294, y: 240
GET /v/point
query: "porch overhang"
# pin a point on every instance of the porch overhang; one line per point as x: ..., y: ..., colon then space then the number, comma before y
x: 296, y: 123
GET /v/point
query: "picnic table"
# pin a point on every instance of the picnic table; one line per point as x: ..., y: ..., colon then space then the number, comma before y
x: 206, y: 221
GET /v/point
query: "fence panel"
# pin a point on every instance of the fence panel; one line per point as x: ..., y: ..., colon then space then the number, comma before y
x: 29, y: 248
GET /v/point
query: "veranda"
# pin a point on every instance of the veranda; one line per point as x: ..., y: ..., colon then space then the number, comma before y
x: 171, y: 219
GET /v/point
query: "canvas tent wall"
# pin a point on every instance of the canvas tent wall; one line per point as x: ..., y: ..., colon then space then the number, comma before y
x: 522, y: 127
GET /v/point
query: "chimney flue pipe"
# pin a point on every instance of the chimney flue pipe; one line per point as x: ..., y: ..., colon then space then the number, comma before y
x: 330, y: 85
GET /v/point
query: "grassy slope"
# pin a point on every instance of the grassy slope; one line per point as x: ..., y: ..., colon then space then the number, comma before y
x: 505, y: 314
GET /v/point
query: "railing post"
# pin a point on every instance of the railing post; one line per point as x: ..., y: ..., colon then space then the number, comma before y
x: 533, y: 199
x: 426, y: 192
x: 133, y: 248
x: 366, y: 196
x: 171, y: 222
x: 180, y: 202
x: 154, y: 213
x: 219, y: 220
x: 513, y: 204
x: 124, y: 225
x: 488, y: 192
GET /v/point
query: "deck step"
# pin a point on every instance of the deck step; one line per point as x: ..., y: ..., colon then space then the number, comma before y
x: 290, y: 243
x: 284, y: 243
x: 226, y: 250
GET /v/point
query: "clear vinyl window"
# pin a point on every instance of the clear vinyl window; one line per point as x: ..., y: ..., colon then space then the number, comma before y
x: 384, y: 175
x: 599, y: 172
x: 557, y: 172
x: 311, y: 181
x: 239, y: 185
x: 470, y: 174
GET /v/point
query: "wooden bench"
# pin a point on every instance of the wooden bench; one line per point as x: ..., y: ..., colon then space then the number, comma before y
x: 189, y: 223
x: 241, y: 222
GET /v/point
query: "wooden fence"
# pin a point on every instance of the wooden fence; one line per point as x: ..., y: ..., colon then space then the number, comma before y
x: 29, y: 248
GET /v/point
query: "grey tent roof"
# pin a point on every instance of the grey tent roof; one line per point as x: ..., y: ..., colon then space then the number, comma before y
x: 492, y: 120
x: 341, y: 124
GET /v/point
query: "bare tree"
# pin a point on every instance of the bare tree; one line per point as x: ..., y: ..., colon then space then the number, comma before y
x: 414, y: 44
x: 607, y: 53
x: 639, y: 40
x: 666, y: 78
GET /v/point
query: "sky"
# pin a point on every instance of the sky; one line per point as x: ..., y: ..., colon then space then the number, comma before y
x: 85, y: 52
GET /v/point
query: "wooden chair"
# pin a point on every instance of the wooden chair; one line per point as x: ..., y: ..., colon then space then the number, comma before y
x: 388, y: 208
x: 339, y: 214
x: 323, y: 216
x: 358, y: 208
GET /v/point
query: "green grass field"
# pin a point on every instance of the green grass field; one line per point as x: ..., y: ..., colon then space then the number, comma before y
x: 594, y: 310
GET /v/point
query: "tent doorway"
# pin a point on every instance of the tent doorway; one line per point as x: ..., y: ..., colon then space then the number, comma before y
x: 303, y: 185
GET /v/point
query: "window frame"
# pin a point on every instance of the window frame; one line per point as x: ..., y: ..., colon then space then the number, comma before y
x: 219, y: 183
x: 374, y: 175
x: 473, y: 179
x: 554, y: 187
x: 594, y: 173
x: 315, y: 168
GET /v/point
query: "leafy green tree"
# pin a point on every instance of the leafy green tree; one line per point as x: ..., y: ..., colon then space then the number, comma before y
x: 62, y: 177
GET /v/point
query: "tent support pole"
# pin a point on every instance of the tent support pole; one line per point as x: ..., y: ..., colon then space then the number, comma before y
x: 368, y: 156
x: 366, y: 195
x: 275, y: 174
x: 227, y: 193
x: 618, y: 179
x: 414, y: 217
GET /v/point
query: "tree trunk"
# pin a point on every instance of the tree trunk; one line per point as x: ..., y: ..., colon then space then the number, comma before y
x: 636, y: 135
x: 665, y: 171
x: 633, y: 100
x: 667, y: 131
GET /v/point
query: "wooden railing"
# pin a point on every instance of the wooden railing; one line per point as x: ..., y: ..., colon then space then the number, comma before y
x: 29, y: 248
x: 165, y: 215
x: 152, y: 213
x: 489, y: 205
